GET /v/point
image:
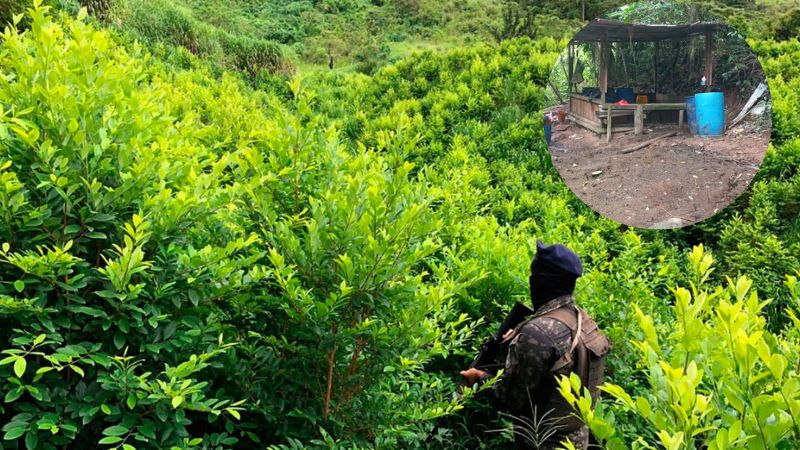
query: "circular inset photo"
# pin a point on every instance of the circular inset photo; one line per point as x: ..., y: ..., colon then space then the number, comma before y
x: 658, y: 115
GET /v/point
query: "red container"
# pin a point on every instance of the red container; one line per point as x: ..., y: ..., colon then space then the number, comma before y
x: 562, y: 116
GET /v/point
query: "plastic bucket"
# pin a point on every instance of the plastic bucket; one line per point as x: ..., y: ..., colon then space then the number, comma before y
x: 691, y: 117
x: 626, y: 93
x: 710, y: 113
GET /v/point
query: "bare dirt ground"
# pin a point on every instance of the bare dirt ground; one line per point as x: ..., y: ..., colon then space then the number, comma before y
x: 673, y: 182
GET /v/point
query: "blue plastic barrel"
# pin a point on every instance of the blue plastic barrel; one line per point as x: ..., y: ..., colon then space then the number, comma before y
x: 627, y: 94
x: 691, y: 117
x: 710, y: 113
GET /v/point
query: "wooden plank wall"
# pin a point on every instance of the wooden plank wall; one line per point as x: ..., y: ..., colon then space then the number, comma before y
x: 584, y: 108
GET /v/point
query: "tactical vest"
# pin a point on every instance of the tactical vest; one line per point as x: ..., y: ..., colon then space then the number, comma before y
x: 589, y: 347
x: 586, y: 357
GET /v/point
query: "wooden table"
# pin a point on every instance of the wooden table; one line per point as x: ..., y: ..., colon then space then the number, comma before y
x: 639, y: 110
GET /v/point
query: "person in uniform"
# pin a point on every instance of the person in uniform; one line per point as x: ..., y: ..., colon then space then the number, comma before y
x: 558, y: 339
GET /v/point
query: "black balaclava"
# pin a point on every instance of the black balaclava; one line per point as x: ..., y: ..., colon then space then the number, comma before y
x: 554, y: 271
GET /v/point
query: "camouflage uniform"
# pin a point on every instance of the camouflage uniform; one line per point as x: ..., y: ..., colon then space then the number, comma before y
x: 527, y: 391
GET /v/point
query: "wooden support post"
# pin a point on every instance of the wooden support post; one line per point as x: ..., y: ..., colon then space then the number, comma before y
x: 655, y: 69
x: 608, y: 122
x: 603, y: 69
x: 708, y: 54
x: 638, y: 120
x: 571, y: 64
x: 680, y: 118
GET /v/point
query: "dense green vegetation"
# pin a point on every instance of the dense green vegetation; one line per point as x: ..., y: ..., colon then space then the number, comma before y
x: 190, y: 260
x: 276, y: 36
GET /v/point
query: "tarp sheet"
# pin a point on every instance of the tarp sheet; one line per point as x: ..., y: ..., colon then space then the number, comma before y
x: 618, y: 31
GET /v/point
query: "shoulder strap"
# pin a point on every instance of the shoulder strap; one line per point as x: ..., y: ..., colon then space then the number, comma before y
x: 573, y: 319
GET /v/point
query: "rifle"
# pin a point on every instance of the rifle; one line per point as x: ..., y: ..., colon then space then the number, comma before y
x: 489, y: 357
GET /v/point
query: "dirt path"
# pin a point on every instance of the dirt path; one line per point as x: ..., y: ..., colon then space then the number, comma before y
x: 676, y: 181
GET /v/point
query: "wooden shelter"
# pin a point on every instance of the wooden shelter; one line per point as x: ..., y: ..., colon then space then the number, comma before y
x: 591, y: 112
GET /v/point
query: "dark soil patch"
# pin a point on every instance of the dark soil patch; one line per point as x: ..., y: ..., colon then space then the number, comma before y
x: 675, y: 181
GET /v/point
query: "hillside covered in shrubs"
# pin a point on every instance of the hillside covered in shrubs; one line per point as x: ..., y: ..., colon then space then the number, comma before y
x: 197, y: 251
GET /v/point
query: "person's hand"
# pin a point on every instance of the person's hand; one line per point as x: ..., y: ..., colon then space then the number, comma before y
x: 473, y: 375
x: 508, y: 335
